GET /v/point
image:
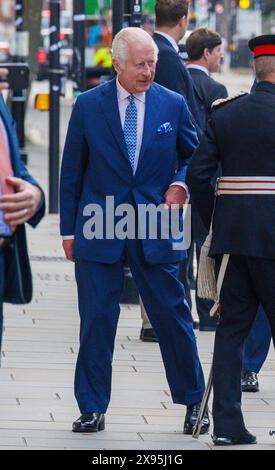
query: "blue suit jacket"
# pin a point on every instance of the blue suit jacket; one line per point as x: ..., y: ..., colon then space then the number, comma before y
x: 17, y: 272
x: 208, y: 89
x: 96, y: 164
x: 172, y: 73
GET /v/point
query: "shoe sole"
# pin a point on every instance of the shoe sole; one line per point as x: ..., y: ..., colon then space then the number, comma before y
x: 189, y: 431
x: 148, y: 340
x: 100, y: 427
x: 250, y: 389
x: 220, y: 444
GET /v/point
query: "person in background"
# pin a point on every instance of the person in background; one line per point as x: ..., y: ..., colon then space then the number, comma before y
x: 257, y: 343
x: 21, y: 200
x: 243, y: 228
x: 171, y: 25
x: 204, y: 49
x: 205, y: 53
x: 256, y: 349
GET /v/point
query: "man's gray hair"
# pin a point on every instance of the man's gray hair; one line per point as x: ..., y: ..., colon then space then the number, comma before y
x: 263, y: 66
x: 127, y: 36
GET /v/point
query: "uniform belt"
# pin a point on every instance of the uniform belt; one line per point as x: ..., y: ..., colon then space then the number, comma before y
x: 245, y: 185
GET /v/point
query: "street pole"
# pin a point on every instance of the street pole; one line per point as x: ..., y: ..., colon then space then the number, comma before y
x: 18, y: 98
x: 132, y: 13
x: 78, y: 67
x: 54, y: 122
x: 117, y: 15
x: 127, y: 13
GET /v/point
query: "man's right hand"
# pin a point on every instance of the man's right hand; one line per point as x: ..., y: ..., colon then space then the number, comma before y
x: 3, y: 75
x: 68, y: 246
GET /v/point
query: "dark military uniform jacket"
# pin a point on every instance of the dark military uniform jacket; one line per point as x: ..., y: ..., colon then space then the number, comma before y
x: 240, y: 136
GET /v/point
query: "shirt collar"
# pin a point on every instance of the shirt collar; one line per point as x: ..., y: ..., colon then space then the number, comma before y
x: 198, y: 67
x: 123, y: 94
x: 170, y: 39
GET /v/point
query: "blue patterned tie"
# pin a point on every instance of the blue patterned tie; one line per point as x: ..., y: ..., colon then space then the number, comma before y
x: 130, y: 130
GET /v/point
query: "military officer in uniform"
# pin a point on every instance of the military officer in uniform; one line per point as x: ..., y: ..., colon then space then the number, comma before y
x: 240, y: 137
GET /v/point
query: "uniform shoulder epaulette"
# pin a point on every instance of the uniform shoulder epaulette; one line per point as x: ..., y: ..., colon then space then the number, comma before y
x: 222, y: 101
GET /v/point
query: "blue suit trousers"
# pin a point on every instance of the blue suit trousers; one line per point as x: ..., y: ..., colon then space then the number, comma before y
x: 99, y: 290
x: 257, y: 343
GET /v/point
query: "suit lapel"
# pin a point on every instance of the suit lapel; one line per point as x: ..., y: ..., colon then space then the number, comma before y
x: 110, y: 109
x: 151, y: 121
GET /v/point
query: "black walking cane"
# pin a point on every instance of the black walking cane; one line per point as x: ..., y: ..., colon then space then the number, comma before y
x: 203, y: 407
x: 205, y: 398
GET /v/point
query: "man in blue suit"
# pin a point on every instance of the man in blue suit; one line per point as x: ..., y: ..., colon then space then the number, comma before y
x: 22, y: 202
x: 171, y: 25
x: 204, y: 49
x: 129, y: 142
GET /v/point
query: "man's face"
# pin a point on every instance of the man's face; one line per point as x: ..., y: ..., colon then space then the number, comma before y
x: 139, y: 68
x: 214, y: 59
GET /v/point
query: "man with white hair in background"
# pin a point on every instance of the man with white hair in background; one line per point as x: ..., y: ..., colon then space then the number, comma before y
x: 129, y: 139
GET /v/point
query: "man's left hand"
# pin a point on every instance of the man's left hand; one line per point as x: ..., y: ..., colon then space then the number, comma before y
x: 175, y: 195
x: 20, y: 206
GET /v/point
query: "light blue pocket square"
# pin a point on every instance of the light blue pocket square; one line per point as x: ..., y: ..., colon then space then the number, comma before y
x: 164, y: 128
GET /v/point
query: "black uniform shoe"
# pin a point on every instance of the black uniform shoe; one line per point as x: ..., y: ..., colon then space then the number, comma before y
x: 191, y: 419
x: 148, y: 335
x: 208, y: 323
x: 249, y: 381
x: 244, y: 439
x: 89, y: 422
x: 207, y: 327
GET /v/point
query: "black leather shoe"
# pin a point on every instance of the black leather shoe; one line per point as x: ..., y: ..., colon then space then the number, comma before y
x: 249, y: 381
x: 89, y: 422
x: 244, y: 439
x: 191, y: 419
x: 148, y: 335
